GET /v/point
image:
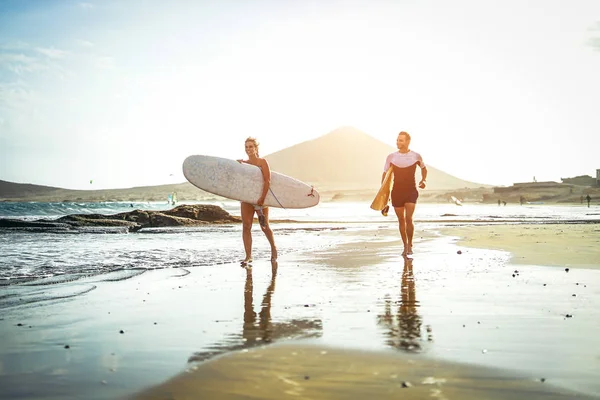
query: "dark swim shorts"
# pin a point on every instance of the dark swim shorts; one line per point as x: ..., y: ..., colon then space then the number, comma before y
x: 401, y: 197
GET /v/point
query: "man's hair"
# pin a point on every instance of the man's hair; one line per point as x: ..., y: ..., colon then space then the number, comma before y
x: 405, y: 134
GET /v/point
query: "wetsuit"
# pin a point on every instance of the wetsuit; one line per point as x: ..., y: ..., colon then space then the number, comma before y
x: 405, y: 187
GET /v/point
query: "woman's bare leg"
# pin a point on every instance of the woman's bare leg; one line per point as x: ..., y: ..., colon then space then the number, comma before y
x: 269, y: 234
x: 247, y: 211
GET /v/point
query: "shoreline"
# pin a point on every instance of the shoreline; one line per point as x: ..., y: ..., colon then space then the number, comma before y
x: 461, y: 319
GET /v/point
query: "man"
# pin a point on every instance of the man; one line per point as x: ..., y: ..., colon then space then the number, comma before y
x: 404, y: 192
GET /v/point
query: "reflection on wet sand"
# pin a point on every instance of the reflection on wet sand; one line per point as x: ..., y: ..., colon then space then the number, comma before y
x: 262, y: 330
x: 403, y: 331
x: 258, y: 329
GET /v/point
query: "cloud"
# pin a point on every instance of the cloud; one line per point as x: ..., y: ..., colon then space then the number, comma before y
x: 52, y: 52
x: 595, y: 41
x: 20, y: 63
x: 15, y: 95
x: 104, y: 62
x: 84, y: 43
x: 87, y: 6
x: 16, y: 45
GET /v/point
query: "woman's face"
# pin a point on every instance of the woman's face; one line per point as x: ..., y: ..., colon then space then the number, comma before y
x: 250, y: 148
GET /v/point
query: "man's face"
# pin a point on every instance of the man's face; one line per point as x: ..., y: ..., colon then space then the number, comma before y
x: 402, y: 142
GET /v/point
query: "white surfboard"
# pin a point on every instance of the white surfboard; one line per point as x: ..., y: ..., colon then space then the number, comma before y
x: 244, y: 182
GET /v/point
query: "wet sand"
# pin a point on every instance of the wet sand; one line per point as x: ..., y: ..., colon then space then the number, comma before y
x: 360, y: 319
x: 563, y: 245
x: 316, y: 372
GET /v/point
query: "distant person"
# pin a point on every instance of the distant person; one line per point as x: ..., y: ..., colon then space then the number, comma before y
x: 503, y: 202
x: 404, y: 191
x: 499, y: 202
x: 248, y: 210
x: 588, y: 198
x: 522, y: 200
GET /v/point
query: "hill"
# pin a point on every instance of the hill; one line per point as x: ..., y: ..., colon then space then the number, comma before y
x: 349, y: 159
x: 185, y: 191
x: 343, y: 164
x: 11, y: 189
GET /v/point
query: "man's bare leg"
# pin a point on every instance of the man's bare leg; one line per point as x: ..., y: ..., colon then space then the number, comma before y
x: 402, y: 227
x: 410, y: 226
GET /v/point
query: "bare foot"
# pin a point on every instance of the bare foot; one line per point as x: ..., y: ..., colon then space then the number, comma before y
x: 274, y: 255
x: 409, y: 251
x: 246, y: 261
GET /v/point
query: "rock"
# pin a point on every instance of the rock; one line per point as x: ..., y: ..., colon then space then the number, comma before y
x: 17, y: 223
x: 81, y: 220
x: 183, y: 215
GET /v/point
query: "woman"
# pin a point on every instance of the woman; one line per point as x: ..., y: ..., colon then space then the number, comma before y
x: 248, y: 209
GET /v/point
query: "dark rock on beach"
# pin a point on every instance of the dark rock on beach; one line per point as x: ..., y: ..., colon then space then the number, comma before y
x: 183, y: 215
x: 41, y: 223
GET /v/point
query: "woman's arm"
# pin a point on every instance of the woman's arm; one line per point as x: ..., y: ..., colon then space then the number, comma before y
x: 266, y: 172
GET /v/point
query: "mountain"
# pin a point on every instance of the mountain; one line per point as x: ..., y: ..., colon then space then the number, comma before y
x: 345, y: 163
x: 348, y: 158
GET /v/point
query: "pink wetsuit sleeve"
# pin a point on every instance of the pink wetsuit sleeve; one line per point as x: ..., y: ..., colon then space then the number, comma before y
x: 420, y: 162
x: 388, y: 162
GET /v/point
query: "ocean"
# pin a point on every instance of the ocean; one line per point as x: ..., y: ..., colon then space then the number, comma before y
x: 136, y: 308
x: 45, y: 257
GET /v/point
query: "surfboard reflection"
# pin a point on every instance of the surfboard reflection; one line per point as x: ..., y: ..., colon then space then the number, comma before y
x: 404, y: 329
x: 259, y: 328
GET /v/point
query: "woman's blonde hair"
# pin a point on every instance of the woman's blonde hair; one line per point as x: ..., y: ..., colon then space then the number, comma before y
x: 254, y: 142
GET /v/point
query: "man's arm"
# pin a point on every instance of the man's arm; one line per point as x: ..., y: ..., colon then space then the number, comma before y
x: 422, y: 184
x: 386, y: 166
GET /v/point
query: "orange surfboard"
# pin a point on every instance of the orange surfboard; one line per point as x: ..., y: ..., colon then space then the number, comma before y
x: 383, y: 195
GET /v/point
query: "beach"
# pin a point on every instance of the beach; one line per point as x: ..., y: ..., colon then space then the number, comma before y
x: 562, y: 245
x: 474, y: 314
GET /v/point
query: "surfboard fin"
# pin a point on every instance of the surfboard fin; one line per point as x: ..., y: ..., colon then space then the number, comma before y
x: 385, y: 210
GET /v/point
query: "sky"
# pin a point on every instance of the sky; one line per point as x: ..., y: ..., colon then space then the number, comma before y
x: 115, y: 94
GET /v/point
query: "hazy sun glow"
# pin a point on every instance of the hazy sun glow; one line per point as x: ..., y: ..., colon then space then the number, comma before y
x: 121, y: 92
